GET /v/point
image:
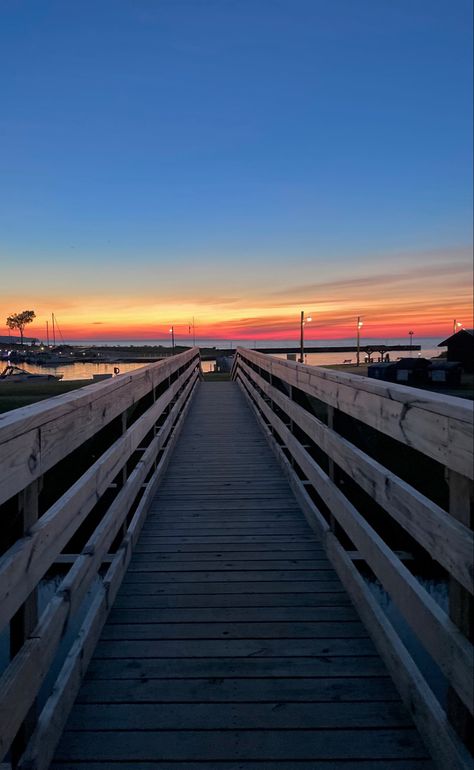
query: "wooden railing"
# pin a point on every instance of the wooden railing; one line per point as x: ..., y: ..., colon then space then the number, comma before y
x: 337, y: 435
x: 78, y: 473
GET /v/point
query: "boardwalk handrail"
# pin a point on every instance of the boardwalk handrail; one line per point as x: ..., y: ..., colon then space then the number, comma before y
x: 113, y: 439
x: 323, y: 464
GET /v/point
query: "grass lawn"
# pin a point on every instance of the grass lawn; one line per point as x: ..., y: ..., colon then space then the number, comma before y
x: 14, y: 395
x: 216, y: 376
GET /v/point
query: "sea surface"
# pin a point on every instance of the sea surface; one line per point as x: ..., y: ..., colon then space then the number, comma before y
x: 85, y: 371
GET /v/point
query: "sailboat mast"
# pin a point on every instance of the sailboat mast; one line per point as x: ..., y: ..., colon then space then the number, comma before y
x: 47, y: 334
x: 54, y: 332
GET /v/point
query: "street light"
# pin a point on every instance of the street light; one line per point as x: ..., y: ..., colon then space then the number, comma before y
x: 303, y: 321
x: 411, y: 342
x: 456, y: 324
x: 191, y: 326
x: 172, y: 337
x: 359, y: 325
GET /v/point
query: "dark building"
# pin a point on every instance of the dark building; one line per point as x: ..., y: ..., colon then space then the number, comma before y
x: 448, y: 372
x: 383, y: 371
x: 461, y: 348
x: 407, y: 371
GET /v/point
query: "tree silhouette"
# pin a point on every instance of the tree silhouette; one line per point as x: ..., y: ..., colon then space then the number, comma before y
x: 19, y: 321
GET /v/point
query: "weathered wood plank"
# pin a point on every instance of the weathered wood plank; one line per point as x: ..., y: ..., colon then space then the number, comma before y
x: 447, y: 540
x: 248, y: 587
x: 301, y: 681
x: 440, y: 428
x: 258, y: 648
x: 210, y: 745
x: 247, y: 615
x: 40, y: 749
x: 352, y: 629
x: 25, y: 563
x: 451, y: 651
x: 36, y: 437
x: 364, y: 764
x: 224, y: 716
x: 224, y: 642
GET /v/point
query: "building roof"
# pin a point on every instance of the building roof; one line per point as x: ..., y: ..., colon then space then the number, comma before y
x: 449, y: 339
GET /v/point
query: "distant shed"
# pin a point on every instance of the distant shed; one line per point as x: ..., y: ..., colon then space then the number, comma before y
x: 461, y: 348
x: 441, y: 370
x: 383, y: 371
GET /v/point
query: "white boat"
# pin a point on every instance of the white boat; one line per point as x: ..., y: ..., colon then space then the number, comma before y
x: 15, y: 374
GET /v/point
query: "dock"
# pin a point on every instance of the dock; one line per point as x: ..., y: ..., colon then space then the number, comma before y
x: 213, y: 612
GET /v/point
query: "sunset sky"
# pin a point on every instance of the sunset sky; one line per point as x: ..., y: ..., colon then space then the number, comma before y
x: 236, y: 161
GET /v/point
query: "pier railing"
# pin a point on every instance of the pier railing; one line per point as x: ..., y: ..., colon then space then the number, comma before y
x: 78, y: 474
x: 384, y: 473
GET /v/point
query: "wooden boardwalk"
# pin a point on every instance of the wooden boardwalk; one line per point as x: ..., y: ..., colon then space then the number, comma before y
x: 232, y: 643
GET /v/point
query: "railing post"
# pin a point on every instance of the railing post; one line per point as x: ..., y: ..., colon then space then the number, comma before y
x: 331, y: 469
x: 461, y: 602
x: 26, y: 618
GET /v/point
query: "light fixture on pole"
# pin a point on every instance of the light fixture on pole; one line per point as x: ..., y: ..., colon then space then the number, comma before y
x: 303, y: 321
x: 359, y: 325
x: 456, y: 325
x: 411, y: 341
x: 172, y: 337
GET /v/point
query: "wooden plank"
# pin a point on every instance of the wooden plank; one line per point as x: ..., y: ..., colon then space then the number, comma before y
x: 224, y: 716
x: 452, y: 652
x: 395, y: 764
x: 461, y: 603
x: 351, y: 629
x: 191, y: 642
x: 34, y: 438
x: 313, y: 599
x: 445, y: 747
x: 257, y: 648
x: 441, y: 427
x: 224, y: 577
x: 301, y: 682
x: 25, y: 563
x: 248, y: 550
x: 23, y: 677
x: 446, y: 540
x: 230, y: 614
x: 145, y: 564
x: 26, y: 617
x: 243, y: 587
x: 41, y: 748
x: 211, y: 745
x: 148, y: 553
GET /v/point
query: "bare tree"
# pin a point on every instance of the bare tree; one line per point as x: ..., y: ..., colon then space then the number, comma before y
x: 19, y: 321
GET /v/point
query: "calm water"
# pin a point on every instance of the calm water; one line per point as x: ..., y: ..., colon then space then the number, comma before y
x: 85, y: 371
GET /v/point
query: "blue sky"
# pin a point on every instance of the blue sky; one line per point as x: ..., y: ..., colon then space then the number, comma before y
x: 272, y: 136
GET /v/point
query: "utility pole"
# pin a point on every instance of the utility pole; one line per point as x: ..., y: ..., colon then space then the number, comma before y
x: 302, y: 325
x: 359, y: 324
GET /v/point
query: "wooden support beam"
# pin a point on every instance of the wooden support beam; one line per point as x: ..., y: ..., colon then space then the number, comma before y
x: 461, y: 602
x: 25, y: 619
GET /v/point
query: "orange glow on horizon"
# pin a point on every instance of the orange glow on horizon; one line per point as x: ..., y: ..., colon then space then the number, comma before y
x: 421, y: 293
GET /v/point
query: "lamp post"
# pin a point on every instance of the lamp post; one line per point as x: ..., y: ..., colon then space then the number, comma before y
x: 359, y: 325
x: 456, y: 325
x: 302, y: 325
x: 411, y: 342
x: 172, y: 337
x: 191, y: 326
